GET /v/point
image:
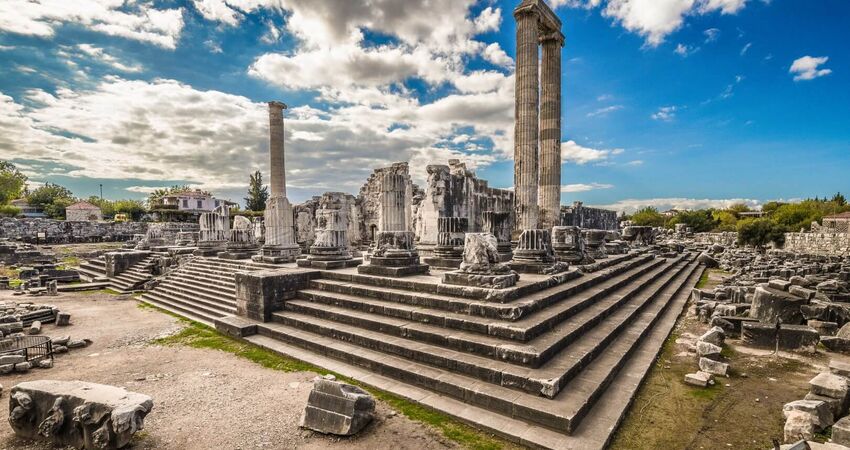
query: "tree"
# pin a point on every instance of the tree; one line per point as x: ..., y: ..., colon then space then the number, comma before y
x: 839, y: 199
x: 725, y: 220
x: 738, y: 208
x: 699, y: 221
x: 648, y: 217
x: 133, y: 208
x: 52, y: 198
x: 12, y: 182
x: 257, y: 193
x: 760, y: 232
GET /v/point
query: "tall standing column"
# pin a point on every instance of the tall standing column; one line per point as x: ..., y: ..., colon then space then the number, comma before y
x: 550, y: 131
x: 276, y: 150
x: 526, y: 117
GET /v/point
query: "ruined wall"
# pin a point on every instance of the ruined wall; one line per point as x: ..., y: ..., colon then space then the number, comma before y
x: 305, y: 217
x: 305, y: 222
x: 61, y: 231
x: 454, y: 191
x: 833, y: 244
x: 727, y: 239
x: 582, y: 216
x: 370, y: 200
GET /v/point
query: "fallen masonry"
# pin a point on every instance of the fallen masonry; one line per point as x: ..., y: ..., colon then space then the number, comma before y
x: 337, y: 408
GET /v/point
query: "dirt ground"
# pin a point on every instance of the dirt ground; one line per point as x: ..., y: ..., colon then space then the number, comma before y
x: 203, y: 399
x: 743, y: 411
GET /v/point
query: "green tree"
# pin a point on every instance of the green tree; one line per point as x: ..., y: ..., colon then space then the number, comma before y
x: 12, y: 182
x: 52, y: 198
x: 839, y: 199
x: 738, y: 208
x: 135, y: 209
x: 725, y: 220
x: 257, y: 193
x: 771, y: 207
x: 648, y: 217
x: 760, y: 232
x: 700, y: 220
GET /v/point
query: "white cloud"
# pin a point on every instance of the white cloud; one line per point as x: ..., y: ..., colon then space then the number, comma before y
x: 489, y: 20
x: 497, y: 56
x: 132, y: 20
x: 711, y: 35
x: 218, y: 10
x: 746, y: 48
x: 604, y: 111
x: 684, y: 50
x: 583, y: 187
x: 144, y: 189
x: 655, y: 19
x: 662, y: 204
x: 101, y: 55
x: 213, y: 46
x: 571, y: 152
x: 809, y: 68
x: 665, y: 113
x: 272, y: 34
x: 636, y: 162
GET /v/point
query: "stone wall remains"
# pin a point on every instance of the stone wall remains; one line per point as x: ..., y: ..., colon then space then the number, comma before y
x: 831, y: 244
x: 369, y: 200
x: 62, y: 231
x: 582, y: 216
x: 727, y: 239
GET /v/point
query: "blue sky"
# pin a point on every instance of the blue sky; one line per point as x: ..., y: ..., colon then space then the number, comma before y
x: 683, y: 103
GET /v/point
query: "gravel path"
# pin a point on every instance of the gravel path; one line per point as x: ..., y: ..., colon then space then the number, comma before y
x: 203, y: 399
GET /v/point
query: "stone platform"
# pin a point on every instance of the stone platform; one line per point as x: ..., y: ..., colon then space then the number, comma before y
x: 552, y: 362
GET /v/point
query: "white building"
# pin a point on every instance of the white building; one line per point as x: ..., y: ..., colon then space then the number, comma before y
x: 195, y: 201
x: 83, y: 212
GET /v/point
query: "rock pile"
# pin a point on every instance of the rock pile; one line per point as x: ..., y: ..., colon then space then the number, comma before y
x: 826, y: 405
x: 711, y: 362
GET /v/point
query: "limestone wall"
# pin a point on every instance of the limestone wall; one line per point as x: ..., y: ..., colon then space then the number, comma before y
x: 582, y: 216
x: 833, y: 244
x: 727, y: 239
x: 454, y: 191
x: 62, y: 231
x: 369, y: 200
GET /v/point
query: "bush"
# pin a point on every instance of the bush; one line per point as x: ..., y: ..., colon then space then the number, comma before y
x: 760, y: 232
x: 9, y: 211
x: 648, y: 217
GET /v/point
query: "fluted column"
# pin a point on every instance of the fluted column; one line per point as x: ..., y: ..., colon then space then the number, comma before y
x: 550, y: 131
x: 393, y: 205
x: 526, y: 117
x: 277, y: 182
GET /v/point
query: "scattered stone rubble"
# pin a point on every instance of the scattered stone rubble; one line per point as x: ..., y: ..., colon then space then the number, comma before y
x: 711, y: 363
x: 826, y: 405
x: 337, y: 408
x: 76, y: 413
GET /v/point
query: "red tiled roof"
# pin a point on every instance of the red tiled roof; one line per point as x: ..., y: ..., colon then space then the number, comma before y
x: 844, y: 215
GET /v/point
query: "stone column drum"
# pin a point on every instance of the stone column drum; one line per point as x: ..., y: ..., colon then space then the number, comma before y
x: 330, y: 249
x: 534, y: 254
x: 594, y: 243
x: 568, y: 245
x: 550, y: 130
x: 450, y: 238
x: 481, y: 266
x: 526, y: 117
x: 241, y: 243
x: 214, y: 232
x: 394, y: 252
x: 499, y: 225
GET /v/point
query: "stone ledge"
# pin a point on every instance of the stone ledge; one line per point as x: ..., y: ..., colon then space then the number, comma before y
x: 236, y: 326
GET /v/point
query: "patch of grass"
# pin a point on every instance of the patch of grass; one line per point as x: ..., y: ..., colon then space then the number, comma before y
x: 703, y: 279
x: 823, y: 436
x: 98, y: 291
x: 71, y: 261
x: 706, y: 393
x: 197, y: 335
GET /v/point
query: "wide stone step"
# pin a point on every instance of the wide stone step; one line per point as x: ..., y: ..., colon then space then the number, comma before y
x: 392, y: 335
x: 223, y: 275
x: 218, y: 288
x: 194, y: 304
x: 193, y: 292
x: 203, y: 280
x: 503, y: 311
x: 174, y: 308
x: 552, y: 413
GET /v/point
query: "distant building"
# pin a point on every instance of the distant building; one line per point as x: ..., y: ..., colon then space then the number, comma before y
x: 671, y: 213
x: 83, y: 212
x: 837, y: 223
x: 26, y: 209
x: 754, y: 214
x: 192, y: 201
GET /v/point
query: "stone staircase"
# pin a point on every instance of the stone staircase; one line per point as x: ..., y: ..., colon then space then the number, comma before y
x: 203, y: 289
x: 131, y: 280
x: 93, y: 270
x: 539, y: 362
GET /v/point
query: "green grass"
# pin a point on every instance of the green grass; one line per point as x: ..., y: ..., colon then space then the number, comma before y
x: 703, y: 279
x: 98, y: 291
x: 71, y: 261
x: 200, y: 336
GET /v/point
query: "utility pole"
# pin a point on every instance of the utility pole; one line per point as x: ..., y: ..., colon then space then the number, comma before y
x: 101, y: 192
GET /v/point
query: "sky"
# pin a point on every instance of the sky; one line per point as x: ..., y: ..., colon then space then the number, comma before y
x: 667, y: 103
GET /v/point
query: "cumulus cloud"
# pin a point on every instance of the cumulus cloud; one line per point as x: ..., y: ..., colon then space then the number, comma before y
x: 497, y: 56
x: 571, y: 152
x: 629, y: 206
x: 809, y: 68
x: 584, y: 187
x: 684, y: 50
x: 99, y: 54
x: 133, y: 20
x: 655, y: 19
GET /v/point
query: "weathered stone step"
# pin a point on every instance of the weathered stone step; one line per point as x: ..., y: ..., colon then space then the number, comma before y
x: 581, y: 393
x: 191, y: 314
x: 509, y: 311
x: 193, y: 291
x: 228, y: 287
x: 429, y: 346
x: 223, y: 274
x: 194, y: 304
x: 506, y: 401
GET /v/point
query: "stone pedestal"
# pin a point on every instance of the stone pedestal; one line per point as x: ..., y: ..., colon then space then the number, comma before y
x: 241, y: 244
x: 448, y: 254
x: 214, y: 232
x: 534, y: 254
x: 481, y: 266
x: 330, y: 249
x: 594, y: 243
x: 394, y: 254
x: 499, y: 224
x: 280, y: 245
x: 568, y: 245
x: 186, y: 238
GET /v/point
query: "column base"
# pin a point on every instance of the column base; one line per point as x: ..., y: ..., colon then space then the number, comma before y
x: 395, y: 272
x: 278, y: 254
x: 209, y: 248
x: 329, y: 264
x: 490, y: 281
x: 438, y: 262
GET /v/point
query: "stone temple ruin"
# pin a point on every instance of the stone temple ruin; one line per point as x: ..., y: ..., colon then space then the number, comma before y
x: 497, y: 306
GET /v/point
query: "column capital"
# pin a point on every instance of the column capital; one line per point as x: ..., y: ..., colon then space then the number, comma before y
x: 556, y: 36
x: 277, y: 105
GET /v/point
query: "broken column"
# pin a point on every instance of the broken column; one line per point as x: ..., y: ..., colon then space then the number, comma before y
x: 394, y: 252
x: 330, y: 249
x: 76, y: 413
x: 337, y: 408
x: 240, y: 242
x: 481, y: 266
x: 280, y: 245
x: 534, y: 254
x: 450, y: 237
x: 568, y: 244
x: 594, y: 243
x: 499, y: 225
x: 214, y: 231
